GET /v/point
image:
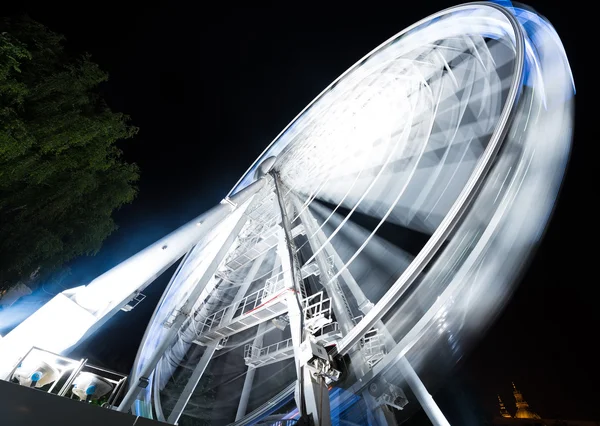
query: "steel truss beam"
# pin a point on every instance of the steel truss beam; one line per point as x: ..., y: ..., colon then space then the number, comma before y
x: 182, y: 317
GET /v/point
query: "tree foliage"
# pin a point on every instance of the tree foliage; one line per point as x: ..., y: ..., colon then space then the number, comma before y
x: 61, y: 173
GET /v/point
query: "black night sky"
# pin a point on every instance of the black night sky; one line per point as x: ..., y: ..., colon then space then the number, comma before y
x: 211, y: 85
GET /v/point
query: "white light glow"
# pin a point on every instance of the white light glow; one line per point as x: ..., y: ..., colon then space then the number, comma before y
x: 57, y: 325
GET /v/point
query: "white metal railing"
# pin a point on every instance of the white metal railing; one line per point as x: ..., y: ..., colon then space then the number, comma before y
x: 315, y: 305
x: 252, y: 353
x: 373, y: 347
x: 214, y: 320
x: 316, y: 308
x: 273, y: 285
x: 244, y: 306
x: 317, y: 312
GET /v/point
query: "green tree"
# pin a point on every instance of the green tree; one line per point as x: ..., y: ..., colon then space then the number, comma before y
x: 61, y: 173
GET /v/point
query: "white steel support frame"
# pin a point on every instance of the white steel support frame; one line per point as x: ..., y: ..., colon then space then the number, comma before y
x: 423, y: 396
x: 249, y: 379
x: 75, y: 314
x: 512, y: 91
x: 182, y: 317
x: 316, y: 237
x: 306, y: 155
x: 192, y: 382
x: 212, y: 347
x: 312, y: 396
x: 295, y: 315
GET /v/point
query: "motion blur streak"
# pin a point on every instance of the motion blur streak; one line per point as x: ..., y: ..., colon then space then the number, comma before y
x: 412, y: 192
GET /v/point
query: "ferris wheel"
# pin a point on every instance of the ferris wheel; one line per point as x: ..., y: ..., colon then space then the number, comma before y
x: 366, y: 249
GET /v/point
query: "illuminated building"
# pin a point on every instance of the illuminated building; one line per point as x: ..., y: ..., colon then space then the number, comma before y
x: 523, y: 411
x: 524, y: 415
x: 503, y: 411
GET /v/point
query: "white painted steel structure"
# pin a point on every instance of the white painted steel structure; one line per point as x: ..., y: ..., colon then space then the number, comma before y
x: 387, y: 224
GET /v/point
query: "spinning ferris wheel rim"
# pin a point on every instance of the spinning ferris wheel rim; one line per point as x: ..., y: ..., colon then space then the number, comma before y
x: 399, y: 142
x: 467, y: 195
x: 509, y: 105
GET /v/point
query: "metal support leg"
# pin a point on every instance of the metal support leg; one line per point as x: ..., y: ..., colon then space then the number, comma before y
x: 312, y: 396
x: 316, y: 398
x: 243, y: 405
x: 258, y: 341
x: 294, y: 305
x: 210, y: 349
x: 249, y: 379
x: 425, y: 399
x: 291, y: 276
x: 184, y: 397
x: 316, y: 238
